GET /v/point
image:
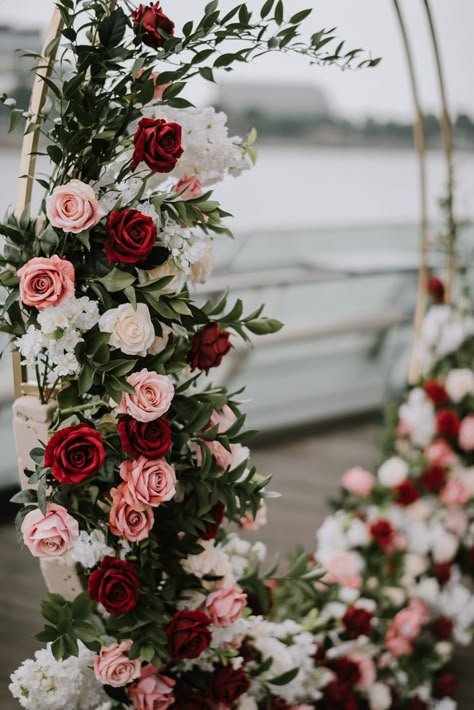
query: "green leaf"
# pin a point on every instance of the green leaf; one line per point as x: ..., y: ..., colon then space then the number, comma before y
x: 264, y: 326
x: 26, y: 496
x: 300, y: 16
x: 55, y: 153
x: 81, y: 606
x: 285, y: 678
x: 112, y: 29
x: 85, y: 631
x: 279, y: 12
x: 117, y: 280
x: 266, y: 9
x: 86, y: 378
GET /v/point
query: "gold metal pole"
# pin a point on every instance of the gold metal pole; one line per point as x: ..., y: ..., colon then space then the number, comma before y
x: 447, y: 136
x: 419, y: 138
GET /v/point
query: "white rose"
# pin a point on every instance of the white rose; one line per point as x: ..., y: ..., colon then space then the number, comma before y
x: 444, y: 547
x: 445, y: 704
x: 418, y: 414
x: 427, y: 590
x: 131, y: 330
x: 357, y: 534
x: 444, y: 649
x: 393, y: 472
x: 459, y: 383
x: 246, y: 702
x: 395, y: 595
x: 211, y: 561
x: 160, y: 341
x: 415, y: 564
x: 380, y: 697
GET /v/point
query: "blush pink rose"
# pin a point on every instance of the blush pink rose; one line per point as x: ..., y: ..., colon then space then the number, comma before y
x: 159, y: 88
x: 132, y: 522
x: 398, y: 645
x: 73, y: 207
x: 148, y: 481
x: 192, y: 187
x: 249, y: 522
x: 439, y: 453
x: 46, y: 282
x: 408, y: 622
x: 153, y: 396
x: 224, y: 419
x: 153, y: 691
x: 358, y: 481
x: 454, y: 493
x: 225, y: 605
x: 342, y: 568
x: 466, y: 434
x: 367, y: 670
x: 113, y: 666
x: 50, y: 535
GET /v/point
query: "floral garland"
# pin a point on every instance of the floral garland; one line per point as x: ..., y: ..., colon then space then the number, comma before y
x: 399, y: 550
x: 145, y: 458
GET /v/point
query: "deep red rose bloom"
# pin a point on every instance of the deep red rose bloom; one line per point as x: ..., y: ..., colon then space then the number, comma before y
x: 435, y: 391
x: 442, y: 571
x: 227, y: 684
x: 433, y: 478
x: 131, y: 236
x: 357, y: 622
x: 114, y: 585
x: 417, y: 703
x: 217, y: 512
x: 444, y: 686
x: 208, y: 347
x: 436, y: 289
x: 442, y: 628
x: 148, y: 20
x: 347, y: 671
x: 188, y: 699
x: 337, y: 695
x: 158, y: 144
x: 406, y: 493
x: 149, y: 439
x: 447, y: 423
x: 75, y: 453
x: 383, y: 533
x: 320, y: 655
x: 188, y: 634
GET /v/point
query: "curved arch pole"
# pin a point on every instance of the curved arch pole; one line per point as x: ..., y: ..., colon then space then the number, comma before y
x: 419, y: 138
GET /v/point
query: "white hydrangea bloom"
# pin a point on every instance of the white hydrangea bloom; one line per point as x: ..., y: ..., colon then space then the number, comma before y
x: 90, y: 548
x: 444, y: 330
x: 43, y: 683
x: 418, y: 414
x: 243, y: 555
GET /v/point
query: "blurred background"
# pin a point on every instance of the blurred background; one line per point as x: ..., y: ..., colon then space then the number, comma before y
x: 326, y: 229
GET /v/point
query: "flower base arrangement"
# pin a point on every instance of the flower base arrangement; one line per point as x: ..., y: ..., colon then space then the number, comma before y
x: 144, y: 458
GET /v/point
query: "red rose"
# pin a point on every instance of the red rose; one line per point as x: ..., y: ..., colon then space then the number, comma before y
x: 442, y: 571
x: 442, y: 628
x: 435, y: 391
x: 149, y: 439
x: 447, y: 423
x: 208, y: 347
x: 320, y: 655
x: 188, y: 699
x: 383, y: 533
x: 148, y: 21
x: 347, y: 671
x: 417, y: 703
x: 228, y: 684
x: 433, y: 478
x: 405, y: 493
x: 114, y: 585
x: 131, y: 236
x: 436, y: 289
x: 75, y: 453
x: 338, y: 695
x: 158, y: 144
x: 357, y: 622
x: 217, y: 513
x: 444, y: 686
x: 188, y: 634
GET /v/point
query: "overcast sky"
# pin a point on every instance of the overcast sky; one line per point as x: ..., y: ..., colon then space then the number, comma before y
x: 371, y: 24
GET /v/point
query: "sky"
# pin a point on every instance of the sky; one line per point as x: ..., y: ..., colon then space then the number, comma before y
x: 383, y: 92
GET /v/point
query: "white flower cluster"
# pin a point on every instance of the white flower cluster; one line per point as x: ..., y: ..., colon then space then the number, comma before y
x: 43, y: 683
x: 418, y: 415
x: 242, y: 554
x: 60, y: 330
x: 90, y: 548
x: 444, y: 329
x: 188, y: 247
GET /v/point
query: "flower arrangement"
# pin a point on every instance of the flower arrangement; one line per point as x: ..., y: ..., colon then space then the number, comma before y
x: 145, y: 458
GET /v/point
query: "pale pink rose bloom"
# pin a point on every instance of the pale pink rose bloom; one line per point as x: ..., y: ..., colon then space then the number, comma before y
x: 457, y: 521
x: 408, y: 622
x: 403, y: 430
x: 466, y: 434
x: 152, y: 398
x: 159, y: 88
x: 225, y: 606
x: 397, y: 645
x: 132, y: 522
x: 202, y: 269
x: 148, y: 481
x: 358, y: 481
x: 113, y: 667
x: 342, y: 569
x: 191, y: 185
x: 50, y: 535
x: 153, y: 691
x: 74, y: 207
x: 439, y: 453
x: 224, y: 419
x: 367, y: 670
x: 249, y: 522
x: 454, y: 493
x: 46, y: 282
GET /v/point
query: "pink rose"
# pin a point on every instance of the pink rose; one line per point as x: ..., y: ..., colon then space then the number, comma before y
x: 152, y: 398
x: 439, y: 453
x: 46, y: 282
x: 148, y: 481
x: 407, y: 623
x: 225, y: 606
x: 397, y: 645
x: 191, y: 185
x: 73, y: 207
x: 50, y: 535
x: 342, y: 568
x: 358, y: 481
x: 159, y: 88
x: 367, y: 670
x: 249, y: 522
x: 113, y: 667
x: 153, y: 691
x: 224, y: 419
x: 454, y: 493
x: 466, y: 434
x: 132, y: 522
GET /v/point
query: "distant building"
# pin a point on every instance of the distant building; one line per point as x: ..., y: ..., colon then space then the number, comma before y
x: 14, y: 70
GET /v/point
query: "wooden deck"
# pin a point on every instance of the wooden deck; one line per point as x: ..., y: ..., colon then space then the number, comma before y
x: 306, y: 471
